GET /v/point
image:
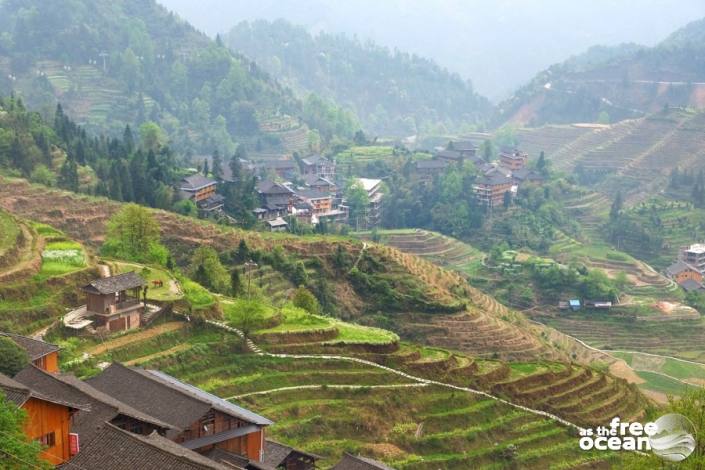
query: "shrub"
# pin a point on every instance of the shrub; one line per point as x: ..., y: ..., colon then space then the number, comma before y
x: 304, y: 299
x: 12, y: 357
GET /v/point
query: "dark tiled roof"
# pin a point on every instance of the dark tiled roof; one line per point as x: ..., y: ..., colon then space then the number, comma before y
x: 678, y: 267
x: 691, y: 285
x: 216, y: 402
x: 449, y: 154
x: 494, y: 179
x: 278, y: 164
x: 228, y: 458
x: 19, y: 393
x: 316, y: 160
x: 270, y: 187
x: 276, y: 453
x: 196, y: 182
x: 312, y: 194
x: 351, y: 462
x: 165, y: 397
x: 315, y: 180
x: 138, y: 388
x: 35, y: 348
x: 431, y: 164
x: 218, y: 437
x: 102, y: 407
x: 112, y: 284
x: 115, y: 449
x: 463, y: 145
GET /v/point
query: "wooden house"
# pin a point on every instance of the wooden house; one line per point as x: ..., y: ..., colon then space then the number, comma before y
x: 199, y: 420
x: 426, y: 170
x: 490, y: 189
x: 319, y: 166
x: 283, y: 168
x: 680, y: 271
x: 42, y: 354
x: 281, y: 456
x: 513, y: 159
x: 48, y: 419
x: 101, y: 407
x: 197, y: 187
x: 320, y: 183
x: 465, y: 148
x: 114, y: 302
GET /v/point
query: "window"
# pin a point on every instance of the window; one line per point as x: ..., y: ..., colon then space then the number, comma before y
x: 48, y: 440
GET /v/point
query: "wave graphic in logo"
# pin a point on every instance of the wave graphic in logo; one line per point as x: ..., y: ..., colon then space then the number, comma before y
x: 673, y: 441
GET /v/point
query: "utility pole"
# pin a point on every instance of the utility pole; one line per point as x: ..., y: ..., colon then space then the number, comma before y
x: 249, y: 266
x: 104, y: 55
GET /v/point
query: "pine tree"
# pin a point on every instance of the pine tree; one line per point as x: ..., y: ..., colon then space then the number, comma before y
x: 217, y: 169
x: 616, y: 208
x: 68, y: 175
x: 205, y: 168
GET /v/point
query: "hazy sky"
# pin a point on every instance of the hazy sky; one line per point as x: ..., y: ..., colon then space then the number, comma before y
x: 498, y: 44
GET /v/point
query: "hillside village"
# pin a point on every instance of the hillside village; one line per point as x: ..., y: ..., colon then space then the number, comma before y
x: 345, y: 259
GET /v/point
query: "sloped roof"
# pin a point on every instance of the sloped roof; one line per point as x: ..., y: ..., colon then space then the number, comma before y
x: 369, y: 183
x: 315, y: 160
x: 678, y: 267
x: 115, y: 449
x: 462, y: 145
x: 112, y: 284
x: 281, y: 164
x: 19, y: 393
x: 351, y: 462
x: 315, y: 180
x: 495, y: 178
x: 196, y: 182
x: 312, y: 194
x: 691, y: 285
x: 166, y: 398
x: 450, y: 154
x: 101, y: 407
x: 270, y: 187
x: 431, y: 164
x: 276, y: 453
x: 35, y: 348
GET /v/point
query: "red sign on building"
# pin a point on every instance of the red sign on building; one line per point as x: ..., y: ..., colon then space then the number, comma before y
x: 74, y: 444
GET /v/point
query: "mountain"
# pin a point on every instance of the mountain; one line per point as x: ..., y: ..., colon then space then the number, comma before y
x: 608, y: 84
x: 111, y: 63
x: 392, y: 92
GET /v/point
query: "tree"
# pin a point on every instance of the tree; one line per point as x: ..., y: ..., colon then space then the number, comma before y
x: 358, y: 201
x: 616, y: 208
x: 205, y: 168
x: 304, y: 299
x: 43, y: 175
x: 151, y: 136
x: 217, y: 169
x: 248, y: 316
x: 541, y: 164
x: 487, y: 151
x: 207, y: 270
x: 17, y: 451
x: 186, y: 207
x: 68, y: 175
x: 12, y: 357
x: 133, y: 234
x: 507, y: 199
x: 235, y: 283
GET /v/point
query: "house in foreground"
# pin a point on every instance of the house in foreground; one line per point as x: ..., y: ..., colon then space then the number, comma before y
x: 41, y: 354
x: 48, y: 419
x: 199, y: 421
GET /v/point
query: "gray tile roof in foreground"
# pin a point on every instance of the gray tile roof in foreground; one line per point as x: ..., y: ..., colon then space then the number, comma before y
x: 35, y: 348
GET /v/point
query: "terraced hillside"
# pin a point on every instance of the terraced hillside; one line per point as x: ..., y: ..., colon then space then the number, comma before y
x: 418, y: 285
x: 328, y: 405
x: 635, y: 155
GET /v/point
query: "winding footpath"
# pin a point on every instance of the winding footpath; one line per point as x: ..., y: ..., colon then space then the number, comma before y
x: 419, y: 380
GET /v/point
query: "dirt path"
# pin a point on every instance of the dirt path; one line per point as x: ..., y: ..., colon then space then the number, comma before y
x: 135, y: 337
x: 157, y: 355
x: 337, y: 386
x: 622, y: 370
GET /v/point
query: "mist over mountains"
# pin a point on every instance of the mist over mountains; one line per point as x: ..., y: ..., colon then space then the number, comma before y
x: 478, y: 40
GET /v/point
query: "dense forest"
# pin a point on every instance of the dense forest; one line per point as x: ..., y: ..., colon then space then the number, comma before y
x: 392, y: 93
x: 134, y: 167
x: 607, y: 84
x: 112, y: 63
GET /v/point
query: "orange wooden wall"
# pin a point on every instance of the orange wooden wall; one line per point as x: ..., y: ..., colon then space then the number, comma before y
x: 44, y: 417
x: 49, y: 363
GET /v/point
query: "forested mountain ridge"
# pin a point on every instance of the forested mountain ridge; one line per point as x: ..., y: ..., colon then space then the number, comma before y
x: 607, y: 84
x: 112, y: 63
x: 393, y: 93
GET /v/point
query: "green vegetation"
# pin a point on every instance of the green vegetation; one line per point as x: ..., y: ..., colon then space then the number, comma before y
x: 12, y: 357
x: 169, y: 291
x: 62, y: 257
x: 9, y: 231
x: 391, y: 93
x: 660, y: 383
x: 133, y: 235
x: 25, y: 453
x: 349, y: 333
x: 207, y: 270
x: 196, y: 295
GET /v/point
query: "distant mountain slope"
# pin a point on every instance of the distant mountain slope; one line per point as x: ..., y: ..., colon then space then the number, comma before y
x: 615, y: 83
x: 112, y: 62
x: 391, y: 92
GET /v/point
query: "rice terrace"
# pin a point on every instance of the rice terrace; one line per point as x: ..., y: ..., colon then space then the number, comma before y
x: 269, y: 238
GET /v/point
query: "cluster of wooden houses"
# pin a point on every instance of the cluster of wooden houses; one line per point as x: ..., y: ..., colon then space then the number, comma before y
x: 689, y: 270
x: 129, y: 418
x: 497, y: 180
x: 307, y: 190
